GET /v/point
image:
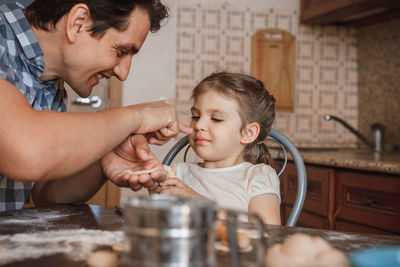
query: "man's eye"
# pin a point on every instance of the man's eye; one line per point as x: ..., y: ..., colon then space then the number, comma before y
x: 195, y: 118
x: 121, y: 52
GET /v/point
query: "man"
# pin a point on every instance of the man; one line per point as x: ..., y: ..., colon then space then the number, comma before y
x: 66, y: 157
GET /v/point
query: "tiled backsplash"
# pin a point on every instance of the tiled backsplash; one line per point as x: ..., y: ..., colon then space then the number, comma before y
x: 217, y: 37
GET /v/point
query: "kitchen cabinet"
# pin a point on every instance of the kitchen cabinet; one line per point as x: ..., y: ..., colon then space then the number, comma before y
x: 344, y: 199
x: 348, y: 12
x: 371, y: 200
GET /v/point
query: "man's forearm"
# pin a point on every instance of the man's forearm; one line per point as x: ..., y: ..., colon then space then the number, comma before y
x: 77, y: 188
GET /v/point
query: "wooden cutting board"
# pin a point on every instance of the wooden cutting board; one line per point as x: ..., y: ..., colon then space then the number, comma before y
x: 273, y: 62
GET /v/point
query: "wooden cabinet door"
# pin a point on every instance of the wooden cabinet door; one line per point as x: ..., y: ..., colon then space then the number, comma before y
x: 368, y: 199
x: 348, y: 12
x: 344, y: 200
x: 317, y: 209
x: 309, y: 219
x: 318, y: 188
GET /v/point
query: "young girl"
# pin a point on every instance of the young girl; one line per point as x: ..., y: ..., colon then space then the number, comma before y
x: 231, y: 116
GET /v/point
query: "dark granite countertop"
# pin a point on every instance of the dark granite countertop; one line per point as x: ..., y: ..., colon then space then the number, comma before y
x: 67, y: 233
x: 351, y: 158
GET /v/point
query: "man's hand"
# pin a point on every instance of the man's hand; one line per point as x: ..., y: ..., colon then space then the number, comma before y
x: 159, y: 123
x: 174, y: 186
x: 133, y: 155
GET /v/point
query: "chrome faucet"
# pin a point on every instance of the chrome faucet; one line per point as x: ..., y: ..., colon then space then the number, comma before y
x: 377, y: 130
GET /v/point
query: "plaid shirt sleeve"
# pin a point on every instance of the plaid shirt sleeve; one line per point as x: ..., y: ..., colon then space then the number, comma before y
x: 21, y: 64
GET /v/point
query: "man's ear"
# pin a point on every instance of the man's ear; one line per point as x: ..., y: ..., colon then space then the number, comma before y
x: 78, y: 19
x: 250, y: 133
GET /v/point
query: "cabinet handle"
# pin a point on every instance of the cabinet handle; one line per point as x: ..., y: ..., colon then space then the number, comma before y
x: 369, y: 201
x: 95, y: 101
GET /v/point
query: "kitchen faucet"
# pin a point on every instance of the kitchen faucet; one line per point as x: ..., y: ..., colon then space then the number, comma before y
x: 376, y: 128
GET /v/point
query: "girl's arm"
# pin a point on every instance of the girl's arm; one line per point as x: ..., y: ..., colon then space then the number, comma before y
x: 266, y: 206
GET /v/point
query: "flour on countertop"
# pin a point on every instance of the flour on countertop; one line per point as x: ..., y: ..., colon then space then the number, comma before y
x: 35, y: 217
x: 75, y: 244
x: 339, y: 236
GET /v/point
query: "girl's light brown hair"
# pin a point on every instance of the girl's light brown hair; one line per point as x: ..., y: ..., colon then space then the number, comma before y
x: 255, y: 102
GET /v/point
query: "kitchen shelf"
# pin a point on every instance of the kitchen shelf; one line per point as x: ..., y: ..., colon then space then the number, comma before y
x: 348, y: 12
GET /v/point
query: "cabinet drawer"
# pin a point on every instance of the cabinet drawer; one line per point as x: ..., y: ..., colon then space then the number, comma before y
x: 308, y: 219
x: 368, y: 199
x: 317, y: 197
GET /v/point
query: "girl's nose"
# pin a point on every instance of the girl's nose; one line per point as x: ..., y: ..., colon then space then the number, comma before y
x: 200, y: 124
x: 121, y: 70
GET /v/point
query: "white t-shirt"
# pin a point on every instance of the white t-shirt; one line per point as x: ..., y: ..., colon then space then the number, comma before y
x: 232, y: 187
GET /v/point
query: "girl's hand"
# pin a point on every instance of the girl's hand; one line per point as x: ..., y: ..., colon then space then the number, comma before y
x: 174, y: 186
x: 156, y: 188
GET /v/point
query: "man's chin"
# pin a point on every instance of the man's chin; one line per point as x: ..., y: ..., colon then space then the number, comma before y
x: 83, y: 94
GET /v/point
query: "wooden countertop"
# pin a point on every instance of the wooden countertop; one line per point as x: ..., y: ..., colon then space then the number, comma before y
x: 351, y: 158
x: 65, y: 232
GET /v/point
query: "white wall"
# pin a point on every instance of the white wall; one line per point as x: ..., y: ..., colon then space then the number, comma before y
x: 152, y: 73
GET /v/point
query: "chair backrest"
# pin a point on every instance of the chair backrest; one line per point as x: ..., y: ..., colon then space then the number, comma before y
x: 298, y: 161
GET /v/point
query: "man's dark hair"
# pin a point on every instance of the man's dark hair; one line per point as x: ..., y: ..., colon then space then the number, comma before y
x: 44, y: 14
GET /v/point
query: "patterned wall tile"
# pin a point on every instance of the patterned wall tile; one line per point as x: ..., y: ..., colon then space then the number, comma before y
x: 328, y: 100
x: 186, y: 17
x: 259, y: 20
x: 235, y: 46
x: 304, y: 98
x: 186, y: 43
x: 185, y: 69
x: 330, y: 51
x: 211, y: 44
x: 351, y: 76
x: 305, y: 74
x: 212, y: 37
x: 350, y: 101
x: 211, y: 19
x: 235, y: 20
x: 329, y: 75
x: 305, y: 50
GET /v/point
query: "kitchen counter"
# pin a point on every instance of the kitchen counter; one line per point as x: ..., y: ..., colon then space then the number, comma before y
x: 67, y: 233
x: 351, y: 158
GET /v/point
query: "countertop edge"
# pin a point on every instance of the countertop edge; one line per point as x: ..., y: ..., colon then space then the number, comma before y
x: 340, y: 159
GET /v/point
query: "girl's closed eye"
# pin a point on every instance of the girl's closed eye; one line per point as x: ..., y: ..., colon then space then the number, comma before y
x: 216, y: 120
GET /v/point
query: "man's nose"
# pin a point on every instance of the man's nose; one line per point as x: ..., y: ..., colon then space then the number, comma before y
x: 121, y: 70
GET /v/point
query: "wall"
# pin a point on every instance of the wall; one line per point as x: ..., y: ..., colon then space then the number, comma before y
x: 379, y: 79
x: 152, y: 73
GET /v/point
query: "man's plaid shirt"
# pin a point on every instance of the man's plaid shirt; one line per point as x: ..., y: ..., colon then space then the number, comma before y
x: 22, y: 65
